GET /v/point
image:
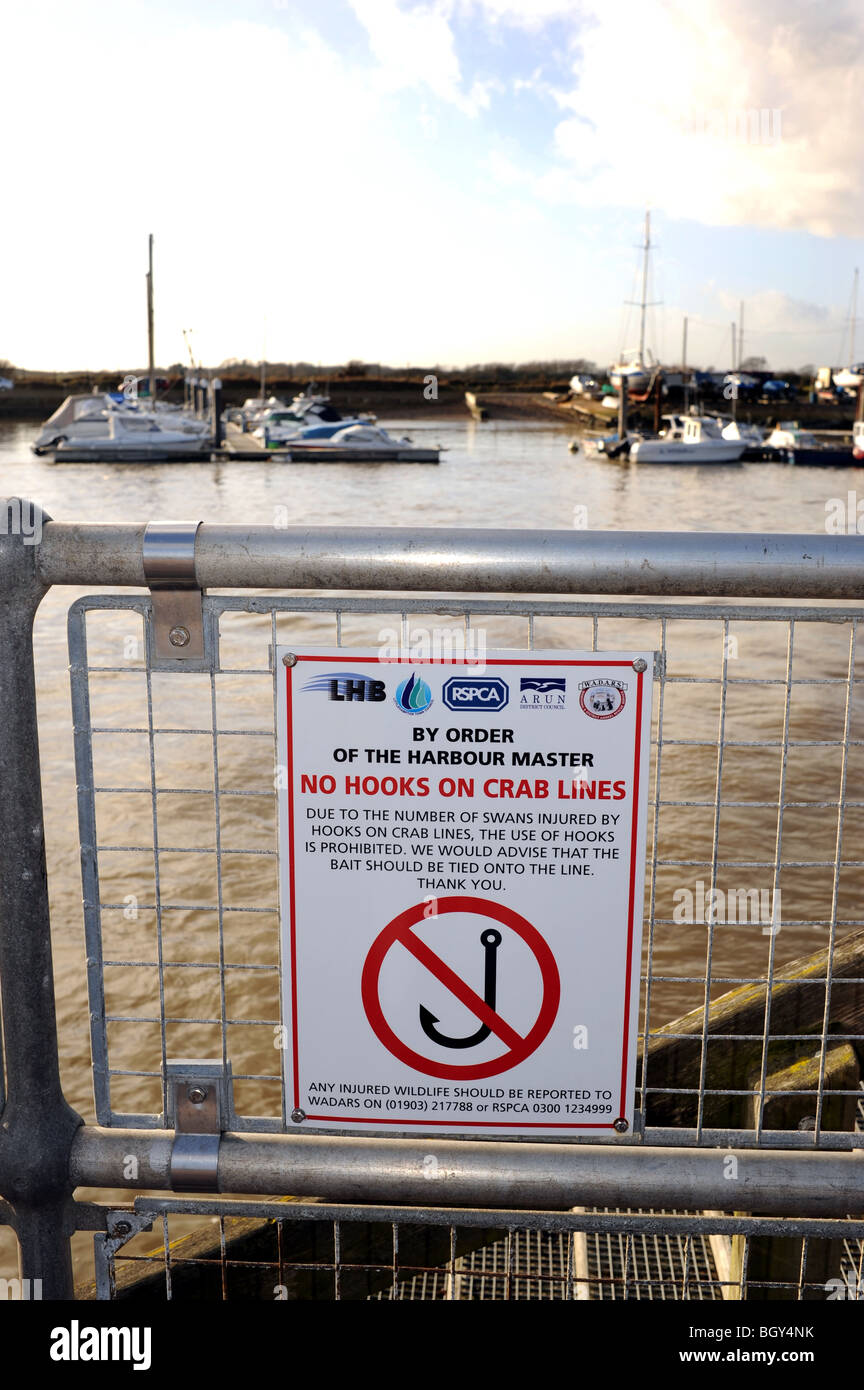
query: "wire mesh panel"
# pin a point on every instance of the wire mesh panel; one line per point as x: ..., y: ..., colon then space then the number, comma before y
x: 289, y: 1251
x: 756, y: 813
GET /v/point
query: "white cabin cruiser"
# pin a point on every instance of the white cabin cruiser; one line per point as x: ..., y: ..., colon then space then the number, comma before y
x: 689, y: 439
x: 309, y: 417
x: 132, y: 438
x: 85, y: 421
x: 850, y: 378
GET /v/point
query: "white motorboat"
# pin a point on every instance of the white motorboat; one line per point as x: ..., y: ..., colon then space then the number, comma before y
x: 93, y: 420
x: 858, y: 440
x: 803, y: 448
x: 361, y: 441
x: 850, y: 378
x: 128, y: 437
x: 365, y: 435
x: 689, y: 439
x: 309, y: 417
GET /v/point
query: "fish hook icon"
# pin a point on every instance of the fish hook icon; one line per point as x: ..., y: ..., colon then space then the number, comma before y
x: 490, y: 940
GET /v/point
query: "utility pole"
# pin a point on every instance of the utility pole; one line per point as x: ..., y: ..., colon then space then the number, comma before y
x: 740, y: 334
x: 151, y: 360
x: 852, y: 318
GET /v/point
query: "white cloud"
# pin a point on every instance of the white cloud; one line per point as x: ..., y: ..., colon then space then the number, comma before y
x: 660, y: 102
x: 415, y: 47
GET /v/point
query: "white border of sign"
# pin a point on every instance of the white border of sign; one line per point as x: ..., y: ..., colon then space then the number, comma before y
x: 598, y: 662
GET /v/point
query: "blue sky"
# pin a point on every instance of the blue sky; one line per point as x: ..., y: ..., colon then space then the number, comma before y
x: 429, y: 180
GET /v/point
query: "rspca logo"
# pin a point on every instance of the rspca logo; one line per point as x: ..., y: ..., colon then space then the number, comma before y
x: 542, y: 692
x: 475, y: 692
x: 347, y: 685
x: 413, y: 695
x: 602, y: 699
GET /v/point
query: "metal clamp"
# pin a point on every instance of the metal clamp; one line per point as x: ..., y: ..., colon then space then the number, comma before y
x: 198, y: 1106
x: 169, y: 567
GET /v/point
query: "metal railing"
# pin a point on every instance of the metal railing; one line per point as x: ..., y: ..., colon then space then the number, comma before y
x: 756, y: 772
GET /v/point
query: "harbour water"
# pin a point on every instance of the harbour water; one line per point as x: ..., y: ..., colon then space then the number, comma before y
x: 491, y: 475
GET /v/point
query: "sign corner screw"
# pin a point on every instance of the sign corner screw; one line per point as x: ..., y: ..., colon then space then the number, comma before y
x: 621, y: 1126
x: 298, y: 1116
x: 289, y: 659
x: 640, y: 664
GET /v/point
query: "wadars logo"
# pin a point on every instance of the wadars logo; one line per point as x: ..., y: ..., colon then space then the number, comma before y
x: 602, y: 699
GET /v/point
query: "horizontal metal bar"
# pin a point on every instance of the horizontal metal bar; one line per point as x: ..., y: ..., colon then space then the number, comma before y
x: 492, y: 561
x: 662, y: 1223
x: 471, y: 606
x: 542, y: 1176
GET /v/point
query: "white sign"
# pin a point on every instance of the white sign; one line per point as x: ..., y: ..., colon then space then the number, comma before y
x: 461, y: 868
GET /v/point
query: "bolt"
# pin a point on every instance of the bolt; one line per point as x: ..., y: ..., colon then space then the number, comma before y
x: 289, y: 659
x: 179, y: 637
x: 197, y: 1094
x: 621, y: 1126
x: 640, y: 664
x: 298, y: 1116
x: 122, y: 1228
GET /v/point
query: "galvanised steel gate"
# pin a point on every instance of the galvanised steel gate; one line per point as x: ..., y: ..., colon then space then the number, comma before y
x: 744, y: 1175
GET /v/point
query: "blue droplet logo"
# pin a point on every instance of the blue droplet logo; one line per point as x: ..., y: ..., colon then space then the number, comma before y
x: 413, y: 696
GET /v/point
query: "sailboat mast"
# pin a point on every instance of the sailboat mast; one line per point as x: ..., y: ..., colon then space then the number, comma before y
x: 644, y: 301
x: 151, y: 360
x: 853, y: 316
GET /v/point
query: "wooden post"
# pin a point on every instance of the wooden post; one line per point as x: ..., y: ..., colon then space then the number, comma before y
x: 216, y: 411
x: 622, y: 410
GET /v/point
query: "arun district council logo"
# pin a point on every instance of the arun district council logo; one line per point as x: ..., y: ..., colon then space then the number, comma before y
x: 413, y: 695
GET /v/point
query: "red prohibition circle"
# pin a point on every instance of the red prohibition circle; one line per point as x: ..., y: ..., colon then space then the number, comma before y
x: 396, y: 931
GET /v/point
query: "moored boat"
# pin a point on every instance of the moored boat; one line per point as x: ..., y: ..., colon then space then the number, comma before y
x: 805, y: 450
x: 689, y: 439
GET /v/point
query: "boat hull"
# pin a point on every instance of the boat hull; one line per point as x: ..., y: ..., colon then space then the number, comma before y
x: 677, y: 451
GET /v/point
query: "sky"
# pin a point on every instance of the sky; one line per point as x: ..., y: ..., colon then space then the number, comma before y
x: 429, y: 181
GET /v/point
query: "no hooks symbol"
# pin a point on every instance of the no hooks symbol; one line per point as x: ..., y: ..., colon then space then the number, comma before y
x: 400, y: 932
